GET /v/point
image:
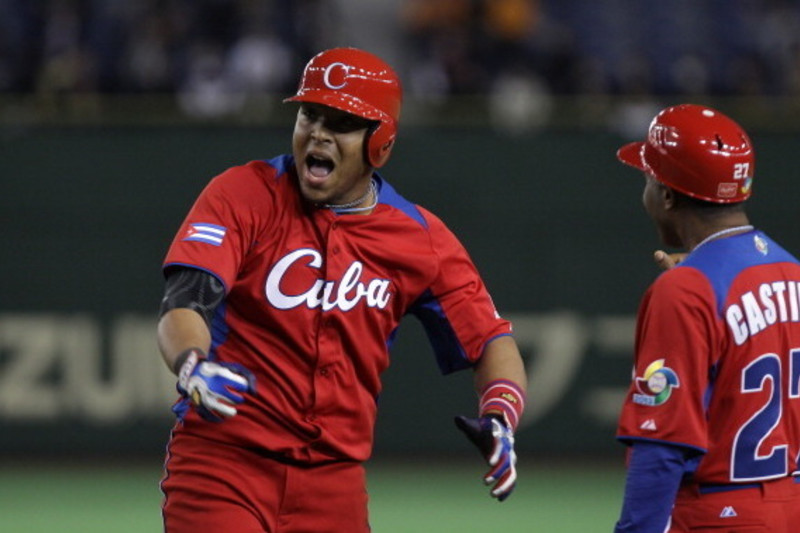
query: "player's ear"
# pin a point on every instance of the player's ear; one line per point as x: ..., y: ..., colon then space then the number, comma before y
x: 668, y: 197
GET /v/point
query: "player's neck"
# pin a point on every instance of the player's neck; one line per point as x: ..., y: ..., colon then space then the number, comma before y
x: 361, y: 206
x: 713, y: 232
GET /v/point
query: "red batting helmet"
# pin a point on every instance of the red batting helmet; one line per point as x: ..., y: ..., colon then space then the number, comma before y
x: 698, y: 151
x: 358, y: 83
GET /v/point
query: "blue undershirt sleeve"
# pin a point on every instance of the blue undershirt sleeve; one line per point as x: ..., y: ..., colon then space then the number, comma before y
x: 654, y: 476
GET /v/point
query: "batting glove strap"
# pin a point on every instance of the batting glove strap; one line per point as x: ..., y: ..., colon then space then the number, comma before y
x: 213, y: 388
x: 495, y: 440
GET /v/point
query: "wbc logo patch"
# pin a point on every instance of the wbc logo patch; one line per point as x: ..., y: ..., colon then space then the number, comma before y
x: 655, y: 386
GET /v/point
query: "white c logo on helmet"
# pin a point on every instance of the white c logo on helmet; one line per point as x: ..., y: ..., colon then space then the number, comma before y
x: 326, y: 76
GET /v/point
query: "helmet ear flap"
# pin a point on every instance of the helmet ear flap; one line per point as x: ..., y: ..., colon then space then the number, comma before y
x: 378, y: 143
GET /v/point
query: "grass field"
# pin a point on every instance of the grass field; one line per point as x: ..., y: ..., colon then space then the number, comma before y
x: 435, y: 497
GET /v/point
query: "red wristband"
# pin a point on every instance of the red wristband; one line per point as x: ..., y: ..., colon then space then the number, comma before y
x: 503, y: 396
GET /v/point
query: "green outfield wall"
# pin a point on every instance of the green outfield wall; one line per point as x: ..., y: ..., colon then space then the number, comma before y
x: 552, y: 221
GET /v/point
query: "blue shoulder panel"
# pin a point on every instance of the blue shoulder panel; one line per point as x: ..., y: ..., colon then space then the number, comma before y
x: 387, y: 195
x: 722, y: 260
x: 282, y: 163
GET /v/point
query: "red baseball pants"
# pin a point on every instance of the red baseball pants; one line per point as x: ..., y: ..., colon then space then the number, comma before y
x: 768, y: 507
x: 215, y: 488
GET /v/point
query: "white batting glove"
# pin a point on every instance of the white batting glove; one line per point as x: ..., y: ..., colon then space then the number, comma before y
x: 214, y: 388
x: 495, y: 440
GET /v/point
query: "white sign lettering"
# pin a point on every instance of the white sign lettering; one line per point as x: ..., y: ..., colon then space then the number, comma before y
x: 66, y: 365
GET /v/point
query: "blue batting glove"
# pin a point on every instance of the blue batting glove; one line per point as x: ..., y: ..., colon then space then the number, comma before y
x: 214, y: 388
x: 495, y: 440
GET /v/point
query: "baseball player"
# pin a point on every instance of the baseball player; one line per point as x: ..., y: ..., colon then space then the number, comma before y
x: 712, y: 417
x: 285, y: 286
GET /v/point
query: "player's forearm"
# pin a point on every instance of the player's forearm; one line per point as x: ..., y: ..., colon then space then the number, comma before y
x: 501, y: 360
x: 500, y: 381
x: 181, y: 329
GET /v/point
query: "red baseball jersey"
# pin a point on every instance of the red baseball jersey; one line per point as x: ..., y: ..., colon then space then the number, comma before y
x: 717, y: 363
x: 313, y: 301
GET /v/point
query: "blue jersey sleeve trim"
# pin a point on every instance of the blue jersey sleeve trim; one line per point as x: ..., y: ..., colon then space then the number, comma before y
x: 450, y: 354
x: 491, y: 339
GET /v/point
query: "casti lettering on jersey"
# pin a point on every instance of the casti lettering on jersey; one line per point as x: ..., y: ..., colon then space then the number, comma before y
x: 755, y: 311
x: 345, y: 293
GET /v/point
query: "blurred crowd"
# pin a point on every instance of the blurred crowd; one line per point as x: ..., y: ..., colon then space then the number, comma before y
x: 211, y: 53
x: 614, y: 46
x: 522, y: 53
x: 214, y: 53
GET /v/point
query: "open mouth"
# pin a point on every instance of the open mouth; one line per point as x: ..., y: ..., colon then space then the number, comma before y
x: 319, y: 167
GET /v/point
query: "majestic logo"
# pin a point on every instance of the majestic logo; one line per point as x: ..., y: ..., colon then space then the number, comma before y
x: 326, y: 77
x: 649, y: 425
x: 655, y: 387
x: 345, y: 293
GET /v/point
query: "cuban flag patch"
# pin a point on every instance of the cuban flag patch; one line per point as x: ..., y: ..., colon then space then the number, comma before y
x: 207, y: 233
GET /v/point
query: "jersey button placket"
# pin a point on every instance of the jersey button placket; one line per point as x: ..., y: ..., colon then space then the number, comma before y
x: 327, y: 337
x: 327, y: 344
x: 325, y: 372
x: 333, y: 248
x: 322, y: 327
